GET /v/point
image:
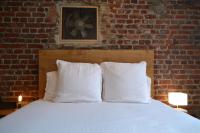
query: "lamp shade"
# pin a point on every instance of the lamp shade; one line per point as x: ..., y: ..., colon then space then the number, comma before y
x: 19, y: 98
x: 177, y: 98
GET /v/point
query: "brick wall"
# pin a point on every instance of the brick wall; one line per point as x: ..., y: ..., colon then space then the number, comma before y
x: 171, y: 28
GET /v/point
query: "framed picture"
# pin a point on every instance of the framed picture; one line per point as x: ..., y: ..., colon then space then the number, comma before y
x: 79, y: 24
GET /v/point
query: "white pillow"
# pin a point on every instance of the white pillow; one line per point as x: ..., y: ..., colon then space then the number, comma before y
x: 78, y: 82
x: 149, y: 87
x: 125, y: 82
x: 50, y: 85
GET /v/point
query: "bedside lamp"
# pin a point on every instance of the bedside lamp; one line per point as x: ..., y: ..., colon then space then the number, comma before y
x: 178, y: 99
x: 19, y: 103
x: 20, y: 98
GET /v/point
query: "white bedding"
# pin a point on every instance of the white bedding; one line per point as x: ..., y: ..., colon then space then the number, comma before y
x: 46, y: 117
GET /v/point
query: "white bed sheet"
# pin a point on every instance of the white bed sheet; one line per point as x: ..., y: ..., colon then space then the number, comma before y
x: 46, y: 117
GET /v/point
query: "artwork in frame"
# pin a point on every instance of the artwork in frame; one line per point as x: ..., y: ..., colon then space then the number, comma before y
x: 79, y: 23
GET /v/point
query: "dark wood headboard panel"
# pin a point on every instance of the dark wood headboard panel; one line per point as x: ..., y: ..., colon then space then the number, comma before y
x: 47, y: 60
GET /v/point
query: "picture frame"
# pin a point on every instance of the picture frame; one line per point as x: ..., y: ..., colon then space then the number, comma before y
x: 79, y: 24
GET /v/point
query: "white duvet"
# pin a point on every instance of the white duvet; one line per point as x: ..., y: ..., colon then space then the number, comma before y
x: 46, y: 117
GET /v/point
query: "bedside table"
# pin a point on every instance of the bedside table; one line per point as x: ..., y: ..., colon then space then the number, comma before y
x: 4, y: 112
x: 182, y: 110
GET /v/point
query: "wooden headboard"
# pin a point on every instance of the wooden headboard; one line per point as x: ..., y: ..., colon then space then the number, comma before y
x: 47, y: 60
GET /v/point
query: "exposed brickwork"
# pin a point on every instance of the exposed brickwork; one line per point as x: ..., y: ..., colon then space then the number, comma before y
x: 171, y: 29
x: 25, y: 28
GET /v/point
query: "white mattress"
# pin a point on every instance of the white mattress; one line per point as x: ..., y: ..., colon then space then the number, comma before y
x: 46, y: 117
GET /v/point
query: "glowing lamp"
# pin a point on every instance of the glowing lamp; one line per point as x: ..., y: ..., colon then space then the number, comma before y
x: 19, y: 103
x: 20, y: 98
x: 178, y: 99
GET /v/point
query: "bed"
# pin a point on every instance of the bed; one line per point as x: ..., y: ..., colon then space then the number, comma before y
x: 102, y: 117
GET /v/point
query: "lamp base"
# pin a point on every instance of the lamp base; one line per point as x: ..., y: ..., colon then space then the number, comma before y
x: 182, y: 110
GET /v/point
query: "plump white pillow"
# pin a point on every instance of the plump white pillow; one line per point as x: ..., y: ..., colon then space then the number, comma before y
x: 78, y: 82
x: 149, y: 87
x: 50, y: 86
x: 125, y: 82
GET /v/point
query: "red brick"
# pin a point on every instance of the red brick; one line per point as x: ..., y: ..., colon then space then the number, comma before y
x: 12, y: 45
x: 17, y: 67
x: 165, y: 82
x: 122, y: 16
x: 7, y: 14
x: 8, y: 35
x: 188, y: 27
x: 181, y: 77
x: 135, y: 16
x: 23, y: 14
x: 41, y: 36
x: 38, y: 14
